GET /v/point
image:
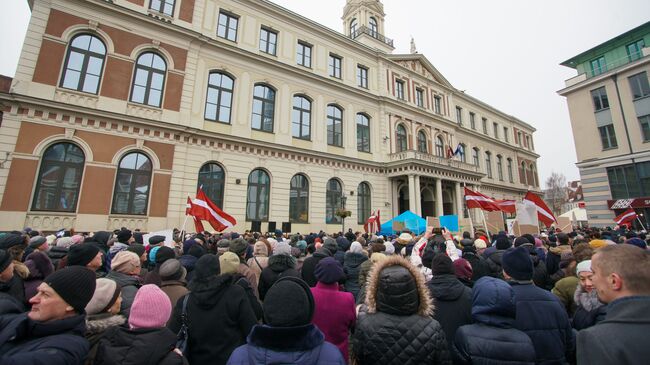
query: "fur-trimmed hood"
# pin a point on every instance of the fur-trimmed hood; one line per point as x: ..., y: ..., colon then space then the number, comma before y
x: 397, y: 287
x: 559, y: 250
x: 588, y: 301
x: 98, y: 323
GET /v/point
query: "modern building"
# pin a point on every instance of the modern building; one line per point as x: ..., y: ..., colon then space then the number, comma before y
x: 119, y: 109
x: 609, y: 107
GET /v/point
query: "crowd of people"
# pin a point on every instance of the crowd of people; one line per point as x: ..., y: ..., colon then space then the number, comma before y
x: 345, y: 298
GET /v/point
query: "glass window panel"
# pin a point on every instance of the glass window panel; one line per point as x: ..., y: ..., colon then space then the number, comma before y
x: 94, y: 66
x: 154, y: 98
x: 71, y: 79
x: 157, y: 81
x: 141, y: 77
x: 158, y: 63
x: 146, y: 59
x: 97, y: 46
x: 91, y: 83
x: 224, y: 114
x: 75, y: 61
x: 82, y: 42
x: 210, y: 111
x: 169, y: 9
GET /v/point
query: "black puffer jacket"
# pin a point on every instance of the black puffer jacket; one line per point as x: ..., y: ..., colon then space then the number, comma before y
x: 124, y: 346
x: 56, y: 254
x: 279, y: 266
x: 351, y: 266
x: 398, y: 310
x: 310, y: 263
x: 480, y: 267
x: 453, y: 303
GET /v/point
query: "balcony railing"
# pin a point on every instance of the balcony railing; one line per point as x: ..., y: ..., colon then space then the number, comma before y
x: 373, y: 33
x: 436, y: 160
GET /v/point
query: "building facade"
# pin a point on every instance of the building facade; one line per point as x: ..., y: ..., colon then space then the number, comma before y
x: 120, y: 109
x: 609, y: 107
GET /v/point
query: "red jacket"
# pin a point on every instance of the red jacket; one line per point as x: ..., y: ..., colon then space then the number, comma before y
x: 335, y: 314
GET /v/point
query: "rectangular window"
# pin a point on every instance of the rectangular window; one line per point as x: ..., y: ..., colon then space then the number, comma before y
x: 362, y: 76
x: 496, y: 130
x: 643, y: 171
x: 227, y: 27
x: 645, y: 127
x: 459, y: 115
x: 623, y: 182
x: 303, y: 54
x: 634, y: 50
x: 399, y: 89
x: 608, y: 136
x: 505, y: 134
x: 484, y: 120
x: 639, y: 85
x: 268, y: 41
x: 163, y: 6
x: 472, y: 120
x: 598, y: 66
x: 419, y: 98
x: 599, y: 96
x: 334, y: 66
x: 436, y: 104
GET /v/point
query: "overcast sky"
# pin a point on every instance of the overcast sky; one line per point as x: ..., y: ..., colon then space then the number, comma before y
x: 503, y: 52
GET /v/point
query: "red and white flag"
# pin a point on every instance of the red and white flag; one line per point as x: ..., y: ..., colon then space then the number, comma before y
x: 198, y: 225
x: 508, y: 206
x: 203, y: 208
x: 475, y: 199
x: 373, y: 224
x: 626, y: 217
x: 544, y: 214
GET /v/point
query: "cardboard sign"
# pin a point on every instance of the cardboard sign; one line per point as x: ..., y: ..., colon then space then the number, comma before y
x: 564, y: 224
x: 398, y: 226
x: 433, y: 222
x: 509, y: 224
x: 450, y: 222
x: 465, y: 225
x: 169, y: 237
x: 520, y: 229
x: 494, y: 221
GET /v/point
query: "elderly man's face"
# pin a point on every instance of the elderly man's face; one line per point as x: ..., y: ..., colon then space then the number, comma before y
x: 47, y: 305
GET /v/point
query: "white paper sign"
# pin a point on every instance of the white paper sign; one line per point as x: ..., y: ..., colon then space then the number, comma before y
x: 169, y: 237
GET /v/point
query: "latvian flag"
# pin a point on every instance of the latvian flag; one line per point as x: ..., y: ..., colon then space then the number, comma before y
x: 544, y: 214
x: 204, y: 209
x: 626, y: 217
x: 475, y: 199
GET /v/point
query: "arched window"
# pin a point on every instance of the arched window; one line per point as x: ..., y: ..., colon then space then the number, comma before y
x: 422, y: 142
x: 401, y: 138
x: 84, y: 64
x: 475, y: 157
x: 149, y: 79
x: 257, y: 202
x: 463, y: 156
x: 488, y: 164
x: 333, y: 201
x: 510, y: 170
x: 440, y: 147
x: 500, y: 167
x: 524, y: 175
x: 132, y: 185
x: 212, y: 178
x: 363, y: 133
x: 374, y: 29
x: 218, y: 102
x: 301, y: 118
x: 263, y: 108
x: 59, y: 179
x: 163, y: 6
x: 334, y: 126
x: 363, y: 202
x: 353, y: 27
x: 299, y: 199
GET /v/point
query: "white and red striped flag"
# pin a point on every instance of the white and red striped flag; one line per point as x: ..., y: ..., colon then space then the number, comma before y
x: 203, y: 208
x: 544, y: 214
x: 626, y: 217
x: 372, y: 224
x: 508, y: 206
x: 198, y: 225
x: 475, y: 199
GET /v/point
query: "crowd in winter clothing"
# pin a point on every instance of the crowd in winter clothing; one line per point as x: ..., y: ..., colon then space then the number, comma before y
x: 111, y: 298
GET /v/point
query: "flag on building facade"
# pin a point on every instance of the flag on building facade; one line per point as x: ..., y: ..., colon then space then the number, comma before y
x: 198, y: 225
x: 544, y: 214
x: 475, y: 199
x: 204, y: 209
x: 626, y: 217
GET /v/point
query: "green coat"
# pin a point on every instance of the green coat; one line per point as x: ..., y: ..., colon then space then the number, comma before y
x: 564, y: 290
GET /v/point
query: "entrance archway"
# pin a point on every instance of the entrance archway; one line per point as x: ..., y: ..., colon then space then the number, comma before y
x: 447, y: 203
x: 403, y: 199
x: 427, y: 201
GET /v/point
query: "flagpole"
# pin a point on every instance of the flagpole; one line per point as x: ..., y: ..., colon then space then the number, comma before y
x: 637, y: 218
x: 487, y: 230
x: 469, y: 213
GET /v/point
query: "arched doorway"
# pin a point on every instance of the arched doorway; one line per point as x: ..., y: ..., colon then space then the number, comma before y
x: 403, y: 199
x: 427, y: 202
x: 447, y: 203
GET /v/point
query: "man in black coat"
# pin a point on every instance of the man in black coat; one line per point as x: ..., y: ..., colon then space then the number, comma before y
x: 480, y: 267
x: 309, y: 265
x: 11, y: 290
x: 53, y: 331
x: 620, y: 277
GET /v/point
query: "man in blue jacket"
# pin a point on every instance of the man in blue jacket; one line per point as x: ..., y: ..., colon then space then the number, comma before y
x: 538, y: 312
x: 52, y: 332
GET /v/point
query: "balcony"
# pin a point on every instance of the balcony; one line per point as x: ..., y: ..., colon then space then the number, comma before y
x: 436, y: 161
x: 609, y: 66
x: 373, y: 33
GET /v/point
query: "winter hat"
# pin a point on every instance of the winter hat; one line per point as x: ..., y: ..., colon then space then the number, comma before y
x: 77, y: 238
x: 187, y: 244
x: 137, y: 249
x: 329, y: 271
x: 502, y: 243
x: 39, y: 264
x: 163, y: 254
x: 529, y: 237
x: 152, y: 254
x: 356, y: 247
x: 479, y: 244
x: 331, y: 245
x: 520, y: 241
x: 125, y: 262
x: 74, y: 284
x: 50, y: 239
x: 442, y: 265
x: 518, y: 264
x: 5, y: 260
x: 124, y: 235
x: 378, y: 247
x: 64, y: 242
x: 289, y: 303
x: 151, y: 308
x: 390, y: 248
x: 637, y: 242
x: 82, y: 254
x: 153, y: 240
x: 377, y: 257
x: 172, y: 270
x: 302, y: 246
x: 597, y: 244
x: 37, y: 241
x: 404, y: 239
x: 106, y: 293
x: 138, y: 237
x: 584, y: 266
x: 10, y: 240
x: 238, y: 246
x: 463, y: 269
x: 196, y: 251
x: 206, y: 267
x: 282, y: 249
x: 260, y: 249
x: 229, y: 262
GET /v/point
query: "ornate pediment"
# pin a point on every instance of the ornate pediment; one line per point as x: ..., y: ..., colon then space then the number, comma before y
x: 420, y: 65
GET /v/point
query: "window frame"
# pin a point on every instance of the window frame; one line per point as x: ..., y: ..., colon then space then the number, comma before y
x: 162, y: 5
x: 639, y: 82
x: 264, y: 215
x: 270, y: 33
x: 333, y: 202
x: 299, y: 204
x: 509, y: 167
x: 644, y: 123
x: 476, y: 157
x: 134, y: 173
x: 505, y: 134
x: 148, y: 87
x: 459, y: 115
x: 62, y: 168
x: 373, y: 27
x: 437, y: 102
x: 638, y: 53
x: 500, y: 167
x: 301, y: 58
x: 608, y: 136
x: 212, y: 187
x: 334, y: 66
x: 440, y: 146
x: 598, y: 66
x: 334, y: 120
x: 220, y: 90
x: 485, y: 129
x: 301, y: 122
x: 265, y: 103
x: 364, y: 202
x: 363, y: 132
x: 362, y: 76
x: 472, y: 120
x: 488, y: 164
x: 399, y: 89
x: 229, y: 33
x: 86, y: 54
x: 599, y: 98
x: 423, y: 143
x: 419, y: 97
x: 495, y: 127
x: 401, y: 139
x: 354, y: 26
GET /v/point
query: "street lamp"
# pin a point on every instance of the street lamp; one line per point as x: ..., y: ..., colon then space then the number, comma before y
x: 343, y: 200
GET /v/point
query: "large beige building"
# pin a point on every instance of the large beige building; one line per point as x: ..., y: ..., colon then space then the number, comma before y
x: 120, y: 109
x: 609, y: 107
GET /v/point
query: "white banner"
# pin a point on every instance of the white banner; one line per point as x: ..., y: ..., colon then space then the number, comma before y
x: 169, y: 237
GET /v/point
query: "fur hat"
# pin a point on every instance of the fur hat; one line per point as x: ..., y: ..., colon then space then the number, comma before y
x: 288, y: 303
x: 238, y: 246
x: 106, y: 293
x: 151, y: 308
x: 518, y: 264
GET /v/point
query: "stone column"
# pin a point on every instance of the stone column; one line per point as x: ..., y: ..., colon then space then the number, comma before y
x: 417, y: 197
x: 412, y: 204
x: 438, y: 197
x: 459, y: 200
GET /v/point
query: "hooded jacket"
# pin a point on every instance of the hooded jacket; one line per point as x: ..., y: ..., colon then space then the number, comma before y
x: 590, y: 310
x: 310, y: 263
x: 124, y: 346
x: 453, y: 303
x: 188, y: 262
x: 56, y: 254
x: 279, y: 266
x: 398, y: 309
x: 480, y: 267
x: 219, y: 317
x: 554, y: 257
x: 351, y: 265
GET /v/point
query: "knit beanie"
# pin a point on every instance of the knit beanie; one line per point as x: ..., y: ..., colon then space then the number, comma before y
x: 106, y: 293
x: 152, y: 254
x: 282, y: 249
x: 229, y: 263
x: 584, y: 266
x: 637, y: 242
x: 125, y: 262
x: 329, y: 271
x: 172, y: 270
x: 77, y: 238
x: 330, y: 244
x: 206, y: 267
x: 503, y: 243
x: 64, y: 242
x: 74, y: 284
x: 196, y: 251
x: 188, y: 244
x: 124, y: 235
x: 163, y: 254
x: 238, y: 246
x: 138, y: 237
x: 37, y: 241
x: 5, y: 260
x: 390, y: 248
x: 82, y: 254
x: 151, y: 308
x: 479, y: 244
x: 442, y: 265
x: 517, y: 263
x: 463, y: 269
x: 10, y: 240
x: 288, y: 303
x: 137, y: 249
x: 520, y: 241
x: 356, y: 247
